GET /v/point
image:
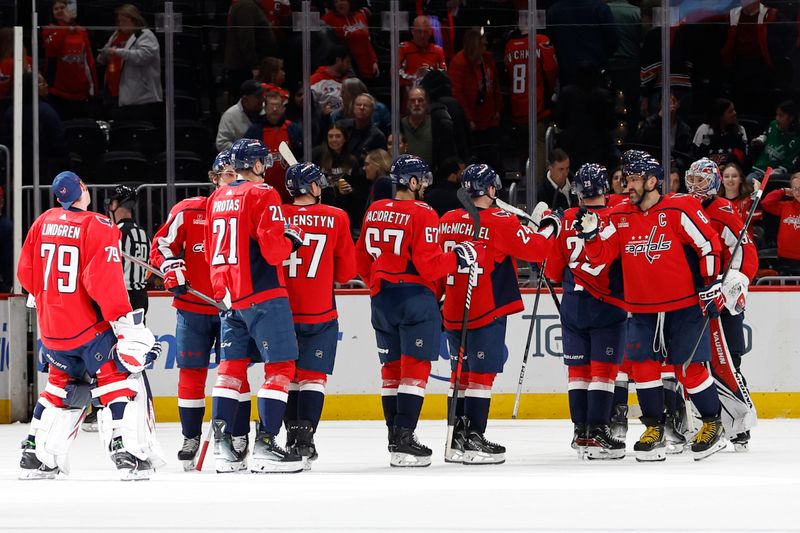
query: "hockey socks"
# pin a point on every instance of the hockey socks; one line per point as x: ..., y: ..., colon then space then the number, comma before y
x: 390, y: 376
x: 273, y: 395
x: 241, y: 425
x: 649, y: 389
x: 477, y: 399
x: 411, y: 391
x: 225, y: 396
x: 311, y: 395
x: 192, y: 400
x: 601, y: 393
x: 700, y: 386
x: 462, y: 389
x: 577, y: 392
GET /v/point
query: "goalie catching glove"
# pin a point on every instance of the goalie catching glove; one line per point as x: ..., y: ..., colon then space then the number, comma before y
x: 174, y: 271
x: 136, y: 345
x: 734, y: 291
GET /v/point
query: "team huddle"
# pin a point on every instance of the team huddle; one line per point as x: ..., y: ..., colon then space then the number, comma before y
x: 268, y: 272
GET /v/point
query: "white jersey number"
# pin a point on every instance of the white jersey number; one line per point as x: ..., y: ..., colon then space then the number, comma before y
x: 66, y: 258
x: 388, y: 236
x: 317, y: 240
x: 576, y: 245
x: 220, y: 228
x: 518, y: 78
x: 451, y: 279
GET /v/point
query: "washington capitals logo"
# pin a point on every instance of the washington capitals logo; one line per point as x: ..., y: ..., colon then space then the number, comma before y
x: 648, y: 246
x: 792, y: 221
x: 62, y: 190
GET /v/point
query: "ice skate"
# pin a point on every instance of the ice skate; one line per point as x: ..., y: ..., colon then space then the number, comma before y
x: 479, y: 451
x: 741, y: 442
x: 269, y: 457
x: 676, y: 442
x: 456, y: 452
x: 579, y: 439
x: 188, y: 452
x: 301, y: 435
x: 652, y: 445
x: 130, y: 467
x: 408, y: 452
x: 89, y: 423
x: 619, y: 422
x: 708, y: 440
x: 601, y: 444
x: 226, y: 457
x: 32, y: 467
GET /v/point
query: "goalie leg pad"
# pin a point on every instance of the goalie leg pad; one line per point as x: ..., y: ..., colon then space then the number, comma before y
x: 54, y: 431
x: 112, y: 384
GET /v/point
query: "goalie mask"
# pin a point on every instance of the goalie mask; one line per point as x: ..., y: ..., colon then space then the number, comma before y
x: 703, y: 178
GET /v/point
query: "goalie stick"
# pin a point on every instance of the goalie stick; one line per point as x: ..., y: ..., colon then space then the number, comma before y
x: 286, y: 153
x: 222, y: 306
x: 469, y: 207
x: 742, y: 234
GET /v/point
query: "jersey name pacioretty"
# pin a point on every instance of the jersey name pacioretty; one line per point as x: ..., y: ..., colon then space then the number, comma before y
x: 390, y: 217
x: 62, y: 230
x: 226, y: 205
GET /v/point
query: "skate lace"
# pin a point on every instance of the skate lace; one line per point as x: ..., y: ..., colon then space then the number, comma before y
x: 707, y: 433
x: 651, y: 434
x: 190, y: 445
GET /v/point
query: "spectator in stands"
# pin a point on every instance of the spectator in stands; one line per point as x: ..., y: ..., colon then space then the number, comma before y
x: 238, y: 118
x: 248, y: 40
x: 376, y: 170
x: 272, y: 130
x: 442, y: 195
x: 271, y: 74
x: 6, y: 247
x: 556, y: 190
x: 353, y: 30
x: 720, y: 138
x: 681, y: 57
x: 294, y: 108
x: 133, y: 64
x: 428, y: 137
x: 624, y: 64
x: 344, y: 173
x: 419, y: 55
x: 736, y: 189
x: 477, y: 88
x: 584, y: 114
x: 440, y: 102
x: 352, y: 87
x: 68, y: 64
x: 680, y: 138
x: 676, y: 180
x: 583, y: 33
x: 781, y: 144
x: 616, y: 181
x: 402, y: 146
x: 785, y: 204
x: 326, y: 81
x: 7, y: 66
x: 362, y: 135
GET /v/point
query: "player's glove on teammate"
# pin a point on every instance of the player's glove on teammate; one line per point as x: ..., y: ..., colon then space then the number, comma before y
x: 543, y: 218
x: 587, y: 223
x: 174, y: 271
x: 135, y: 342
x: 466, y: 253
x: 711, y: 299
x: 295, y: 234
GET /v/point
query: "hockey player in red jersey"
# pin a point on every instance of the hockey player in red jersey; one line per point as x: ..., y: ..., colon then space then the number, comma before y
x: 670, y: 262
x: 399, y: 256
x: 178, y: 250
x: 703, y: 180
x: 247, y: 239
x: 495, y: 296
x: 592, y: 320
x: 94, y: 344
x: 327, y: 256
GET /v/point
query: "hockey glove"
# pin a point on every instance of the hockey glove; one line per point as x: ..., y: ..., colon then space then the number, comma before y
x: 466, y: 253
x: 587, y: 223
x: 295, y: 234
x: 734, y: 291
x: 135, y: 341
x: 551, y: 220
x: 174, y: 271
x: 711, y: 299
x: 539, y: 212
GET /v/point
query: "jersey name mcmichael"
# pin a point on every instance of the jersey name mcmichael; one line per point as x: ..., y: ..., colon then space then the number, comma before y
x: 390, y: 217
x: 226, y: 205
x: 62, y: 230
x: 317, y: 221
x: 462, y: 228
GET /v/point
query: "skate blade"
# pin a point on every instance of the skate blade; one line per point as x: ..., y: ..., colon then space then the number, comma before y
x: 135, y: 475
x: 741, y: 447
x: 266, y: 466
x: 482, y: 458
x: 601, y: 454
x: 407, y: 460
x: 89, y: 428
x: 676, y: 448
x: 654, y: 456
x: 227, y: 467
x: 454, y: 457
x: 188, y: 464
x: 720, y: 445
x: 33, y: 474
x: 307, y: 463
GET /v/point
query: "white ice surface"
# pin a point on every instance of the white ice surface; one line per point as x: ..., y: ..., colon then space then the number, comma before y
x: 351, y: 488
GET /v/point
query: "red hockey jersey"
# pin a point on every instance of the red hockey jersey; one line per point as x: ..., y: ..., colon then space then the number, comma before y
x: 568, y: 263
x: 412, y: 58
x: 399, y: 243
x: 70, y: 262
x: 353, y: 30
x: 275, y: 176
x: 497, y: 293
x: 183, y: 235
x: 788, y: 210
x: 244, y: 243
x: 726, y: 221
x: 516, y: 62
x: 666, y: 253
x: 327, y: 256
x: 69, y: 62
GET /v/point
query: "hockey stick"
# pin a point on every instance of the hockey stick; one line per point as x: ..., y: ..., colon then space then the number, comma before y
x: 469, y: 207
x: 736, y: 247
x: 515, y: 410
x: 222, y: 306
x: 508, y: 208
x: 286, y: 153
x: 201, y: 457
x: 552, y: 291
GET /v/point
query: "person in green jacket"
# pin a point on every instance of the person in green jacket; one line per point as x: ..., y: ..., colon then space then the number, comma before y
x: 781, y: 142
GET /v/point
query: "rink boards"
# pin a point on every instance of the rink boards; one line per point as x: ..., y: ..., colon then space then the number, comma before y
x: 772, y: 367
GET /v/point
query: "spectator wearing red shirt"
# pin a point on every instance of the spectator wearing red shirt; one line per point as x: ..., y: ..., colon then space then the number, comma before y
x: 477, y: 88
x: 353, y: 30
x: 785, y: 204
x: 68, y: 64
x: 419, y: 53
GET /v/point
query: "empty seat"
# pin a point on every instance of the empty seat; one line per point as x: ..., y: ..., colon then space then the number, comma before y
x: 187, y: 107
x: 189, y: 166
x: 141, y: 137
x: 122, y: 165
x: 85, y: 138
x: 193, y: 136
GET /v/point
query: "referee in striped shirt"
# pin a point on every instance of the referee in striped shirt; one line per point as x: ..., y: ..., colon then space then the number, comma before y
x: 120, y: 207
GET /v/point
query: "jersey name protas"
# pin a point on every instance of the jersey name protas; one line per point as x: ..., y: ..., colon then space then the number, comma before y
x: 62, y: 230
x: 224, y: 205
